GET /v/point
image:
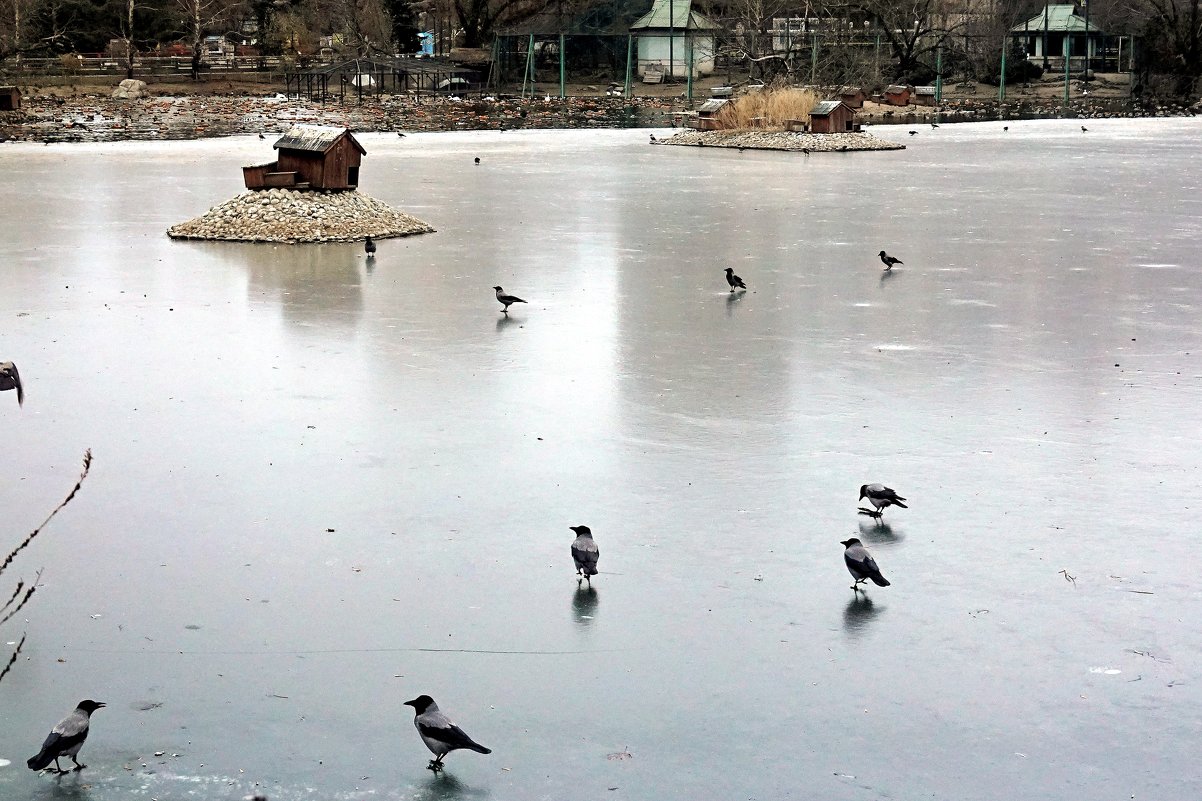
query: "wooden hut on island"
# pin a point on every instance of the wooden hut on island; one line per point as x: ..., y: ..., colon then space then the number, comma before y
x: 853, y: 96
x: 310, y: 157
x: 897, y: 95
x: 10, y: 98
x: 832, y: 116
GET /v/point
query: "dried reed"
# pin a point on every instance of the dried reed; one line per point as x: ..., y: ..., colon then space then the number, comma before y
x: 767, y: 109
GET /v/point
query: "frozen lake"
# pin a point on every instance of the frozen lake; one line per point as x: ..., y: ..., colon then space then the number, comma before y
x: 322, y: 488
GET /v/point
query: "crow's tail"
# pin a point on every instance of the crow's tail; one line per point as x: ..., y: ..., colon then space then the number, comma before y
x: 41, y: 761
x: 898, y: 502
x: 880, y: 580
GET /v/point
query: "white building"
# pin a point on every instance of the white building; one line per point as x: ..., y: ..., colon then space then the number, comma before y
x: 671, y: 37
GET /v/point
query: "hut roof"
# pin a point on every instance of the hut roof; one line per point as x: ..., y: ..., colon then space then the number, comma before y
x: 896, y: 88
x: 314, y: 138
x: 1062, y: 18
x: 924, y: 90
x: 710, y: 106
x: 825, y: 108
x: 673, y: 14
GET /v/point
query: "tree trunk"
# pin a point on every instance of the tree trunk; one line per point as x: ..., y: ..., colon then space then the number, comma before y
x: 129, y: 38
x: 197, y: 38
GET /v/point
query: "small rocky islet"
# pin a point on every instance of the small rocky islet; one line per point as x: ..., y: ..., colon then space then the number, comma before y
x: 290, y: 215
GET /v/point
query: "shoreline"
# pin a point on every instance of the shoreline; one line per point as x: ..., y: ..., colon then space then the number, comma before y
x: 47, y: 118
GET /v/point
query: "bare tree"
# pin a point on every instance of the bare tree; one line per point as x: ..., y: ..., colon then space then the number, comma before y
x: 15, y: 23
x: 21, y: 594
x: 1173, y: 35
x: 205, y: 15
x: 913, y: 29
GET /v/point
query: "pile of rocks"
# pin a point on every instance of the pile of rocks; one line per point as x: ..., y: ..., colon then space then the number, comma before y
x: 782, y: 140
x: 289, y: 215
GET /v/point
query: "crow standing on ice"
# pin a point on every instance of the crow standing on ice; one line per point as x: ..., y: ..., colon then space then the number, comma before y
x: 861, y: 565
x: 369, y: 248
x: 734, y: 280
x: 439, y: 733
x: 888, y: 260
x: 881, y: 497
x: 66, y: 739
x: 585, y: 553
x: 11, y: 379
x: 506, y: 299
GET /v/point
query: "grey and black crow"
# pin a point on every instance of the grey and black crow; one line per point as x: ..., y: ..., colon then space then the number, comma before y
x: 66, y: 739
x: 734, y: 280
x: 1084, y: 129
x: 439, y: 733
x: 888, y: 260
x: 585, y: 553
x: 506, y: 299
x: 861, y: 565
x: 881, y: 497
x: 369, y: 248
x: 11, y: 379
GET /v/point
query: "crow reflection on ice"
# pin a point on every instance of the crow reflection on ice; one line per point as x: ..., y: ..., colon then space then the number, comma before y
x: 879, y: 533
x: 858, y: 614
x: 584, y: 605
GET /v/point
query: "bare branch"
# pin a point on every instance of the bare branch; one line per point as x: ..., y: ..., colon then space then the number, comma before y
x: 87, y: 465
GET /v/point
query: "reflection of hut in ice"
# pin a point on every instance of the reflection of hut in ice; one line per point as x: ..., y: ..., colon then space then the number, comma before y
x: 311, y: 157
x: 673, y: 40
x: 373, y: 77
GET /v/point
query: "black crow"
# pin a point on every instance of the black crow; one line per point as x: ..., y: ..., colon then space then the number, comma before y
x: 913, y: 133
x: 477, y: 159
x: 66, y: 739
x: 439, y: 733
x: 734, y: 280
x: 585, y: 553
x: 861, y: 565
x: 506, y: 299
x: 934, y: 125
x: 369, y: 248
x: 1084, y: 129
x: 1005, y: 127
x: 888, y: 260
x: 881, y: 497
x: 11, y: 379
x: 261, y: 136
x: 653, y: 139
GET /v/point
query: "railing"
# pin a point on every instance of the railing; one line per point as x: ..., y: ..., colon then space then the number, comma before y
x: 73, y: 65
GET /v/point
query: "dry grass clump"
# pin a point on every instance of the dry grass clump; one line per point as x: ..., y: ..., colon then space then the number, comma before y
x: 771, y: 105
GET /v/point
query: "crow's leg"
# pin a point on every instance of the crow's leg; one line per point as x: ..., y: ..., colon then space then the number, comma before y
x: 78, y: 766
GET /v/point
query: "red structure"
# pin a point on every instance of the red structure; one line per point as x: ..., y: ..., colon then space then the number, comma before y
x: 832, y: 116
x: 897, y: 95
x: 311, y: 157
x: 10, y: 98
x: 853, y: 97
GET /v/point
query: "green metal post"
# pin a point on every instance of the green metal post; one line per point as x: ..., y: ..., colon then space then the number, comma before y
x: 813, y: 59
x: 939, y: 75
x: 1066, y: 70
x: 877, y: 63
x: 629, y: 57
x: 1001, y: 86
x: 530, y: 65
x: 562, y: 95
x: 689, y: 85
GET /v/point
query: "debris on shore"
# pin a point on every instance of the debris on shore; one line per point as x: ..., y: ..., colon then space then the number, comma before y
x: 287, y: 215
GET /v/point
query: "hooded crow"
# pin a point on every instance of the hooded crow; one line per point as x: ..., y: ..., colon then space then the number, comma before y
x: 66, y: 738
x: 11, y: 379
x: 369, y: 248
x: 861, y: 565
x: 585, y: 553
x: 439, y: 733
x: 506, y: 299
x: 881, y: 497
x: 734, y: 280
x: 888, y: 260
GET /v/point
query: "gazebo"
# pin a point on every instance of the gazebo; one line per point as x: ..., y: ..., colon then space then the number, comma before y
x: 674, y: 40
x: 1051, y: 28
